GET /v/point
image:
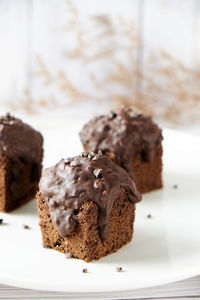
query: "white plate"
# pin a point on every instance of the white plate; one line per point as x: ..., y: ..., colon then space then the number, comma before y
x: 165, y: 247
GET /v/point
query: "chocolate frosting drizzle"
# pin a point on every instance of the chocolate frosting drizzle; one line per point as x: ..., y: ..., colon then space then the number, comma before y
x: 119, y: 133
x: 72, y: 182
x: 18, y: 139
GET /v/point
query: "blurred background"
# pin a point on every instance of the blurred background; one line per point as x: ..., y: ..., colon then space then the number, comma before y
x: 74, y: 59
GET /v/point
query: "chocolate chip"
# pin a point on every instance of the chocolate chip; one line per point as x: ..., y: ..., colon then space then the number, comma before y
x: 96, y: 157
x: 97, y: 173
x: 85, y: 270
x: 149, y: 216
x: 112, y: 115
x: 119, y: 269
x: 67, y: 161
x: 84, y: 154
x: 1, y: 221
x: 91, y: 155
x: 25, y: 226
x: 46, y: 246
x: 74, y: 164
x: 175, y: 186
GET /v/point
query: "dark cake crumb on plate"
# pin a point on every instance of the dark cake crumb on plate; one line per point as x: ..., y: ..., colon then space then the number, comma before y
x: 119, y: 269
x: 149, y: 216
x: 25, y: 226
x: 85, y: 270
x: 175, y: 186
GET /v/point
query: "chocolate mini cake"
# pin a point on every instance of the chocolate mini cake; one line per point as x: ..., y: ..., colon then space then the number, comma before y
x: 20, y: 162
x: 86, y: 206
x: 130, y: 140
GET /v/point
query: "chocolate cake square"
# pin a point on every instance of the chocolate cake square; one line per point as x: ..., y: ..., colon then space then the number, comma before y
x: 20, y: 162
x: 86, y: 206
x: 132, y: 141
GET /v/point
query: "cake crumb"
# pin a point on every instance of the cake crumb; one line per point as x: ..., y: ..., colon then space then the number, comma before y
x: 1, y: 221
x: 25, y: 226
x: 175, y: 186
x: 85, y: 270
x: 149, y: 216
x: 119, y: 269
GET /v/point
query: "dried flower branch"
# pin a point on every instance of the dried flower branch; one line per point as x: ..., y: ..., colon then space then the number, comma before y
x: 43, y: 72
x: 169, y: 90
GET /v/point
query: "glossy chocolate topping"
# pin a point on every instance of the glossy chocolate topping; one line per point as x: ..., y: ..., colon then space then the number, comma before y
x: 119, y: 133
x: 19, y: 139
x: 72, y: 182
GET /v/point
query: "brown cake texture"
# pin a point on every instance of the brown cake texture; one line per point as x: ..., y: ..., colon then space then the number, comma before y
x: 20, y: 162
x: 132, y: 141
x: 86, y: 206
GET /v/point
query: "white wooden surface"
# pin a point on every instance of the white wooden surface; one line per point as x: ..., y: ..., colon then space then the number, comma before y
x: 186, y: 289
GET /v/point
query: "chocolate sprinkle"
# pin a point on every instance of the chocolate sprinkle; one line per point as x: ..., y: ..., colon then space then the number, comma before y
x: 1, y: 221
x: 99, y: 181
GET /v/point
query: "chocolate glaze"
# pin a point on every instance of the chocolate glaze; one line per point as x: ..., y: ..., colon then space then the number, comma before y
x: 18, y: 139
x: 119, y: 133
x: 72, y: 182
